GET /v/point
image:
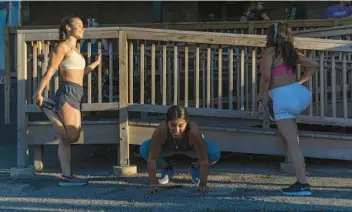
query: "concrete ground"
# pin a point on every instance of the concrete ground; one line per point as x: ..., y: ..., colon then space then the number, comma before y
x: 237, y: 183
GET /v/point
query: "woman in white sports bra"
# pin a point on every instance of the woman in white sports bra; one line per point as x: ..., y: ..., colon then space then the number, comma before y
x: 65, y: 112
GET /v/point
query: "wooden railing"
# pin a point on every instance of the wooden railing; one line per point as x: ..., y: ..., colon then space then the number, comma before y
x: 336, y: 33
x: 250, y: 27
x: 213, y: 74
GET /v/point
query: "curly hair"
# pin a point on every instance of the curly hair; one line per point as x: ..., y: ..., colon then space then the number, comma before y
x: 68, y: 20
x: 279, y: 36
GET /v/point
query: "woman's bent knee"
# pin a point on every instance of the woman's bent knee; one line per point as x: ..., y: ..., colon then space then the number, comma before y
x: 62, y: 133
x: 73, y: 135
x: 214, y: 153
x: 73, y: 139
x: 144, y: 149
x: 214, y: 157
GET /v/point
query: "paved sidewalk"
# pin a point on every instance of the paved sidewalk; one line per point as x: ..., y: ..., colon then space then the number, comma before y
x: 236, y: 187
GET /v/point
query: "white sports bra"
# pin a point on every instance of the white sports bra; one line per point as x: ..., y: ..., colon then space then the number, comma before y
x: 74, y: 62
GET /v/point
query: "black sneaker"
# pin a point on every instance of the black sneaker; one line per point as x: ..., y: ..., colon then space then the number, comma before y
x: 48, y: 104
x: 70, y: 181
x: 297, y: 189
x: 270, y: 109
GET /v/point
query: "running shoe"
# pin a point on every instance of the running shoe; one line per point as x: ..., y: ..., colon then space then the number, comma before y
x: 70, y: 181
x: 297, y: 189
x: 48, y: 104
x: 166, y: 175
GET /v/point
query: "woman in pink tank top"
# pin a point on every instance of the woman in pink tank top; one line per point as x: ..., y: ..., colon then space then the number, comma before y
x: 289, y: 97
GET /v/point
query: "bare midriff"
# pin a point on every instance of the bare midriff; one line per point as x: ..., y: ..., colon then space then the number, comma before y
x: 281, y: 79
x: 75, y: 76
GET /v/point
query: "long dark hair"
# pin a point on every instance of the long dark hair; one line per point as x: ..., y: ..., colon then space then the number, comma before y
x: 279, y: 35
x: 68, y: 20
x: 177, y: 112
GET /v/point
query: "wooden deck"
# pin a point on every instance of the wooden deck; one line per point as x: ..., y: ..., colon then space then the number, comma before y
x: 253, y: 140
x: 213, y: 74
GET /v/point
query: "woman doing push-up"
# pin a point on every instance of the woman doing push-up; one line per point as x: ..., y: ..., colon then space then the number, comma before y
x: 178, y: 135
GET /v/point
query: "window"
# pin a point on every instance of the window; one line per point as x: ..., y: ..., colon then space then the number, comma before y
x: 210, y: 11
x: 221, y: 11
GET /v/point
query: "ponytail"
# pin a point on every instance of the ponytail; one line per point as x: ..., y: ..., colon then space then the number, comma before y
x: 279, y: 36
x: 61, y: 34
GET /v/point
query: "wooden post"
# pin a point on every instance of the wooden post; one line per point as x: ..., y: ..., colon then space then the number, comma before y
x: 21, y: 69
x: 8, y: 59
x: 124, y: 159
x: 38, y: 157
x: 251, y: 27
x: 123, y: 167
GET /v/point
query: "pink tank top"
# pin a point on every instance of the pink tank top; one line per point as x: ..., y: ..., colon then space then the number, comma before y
x: 281, y: 69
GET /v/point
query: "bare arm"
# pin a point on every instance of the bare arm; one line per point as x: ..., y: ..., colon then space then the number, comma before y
x: 196, y: 139
x: 54, y: 61
x: 93, y: 65
x: 158, y: 138
x: 265, y: 68
x: 311, y: 66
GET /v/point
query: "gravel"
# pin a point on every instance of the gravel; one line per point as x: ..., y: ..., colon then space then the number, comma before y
x: 233, y: 188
